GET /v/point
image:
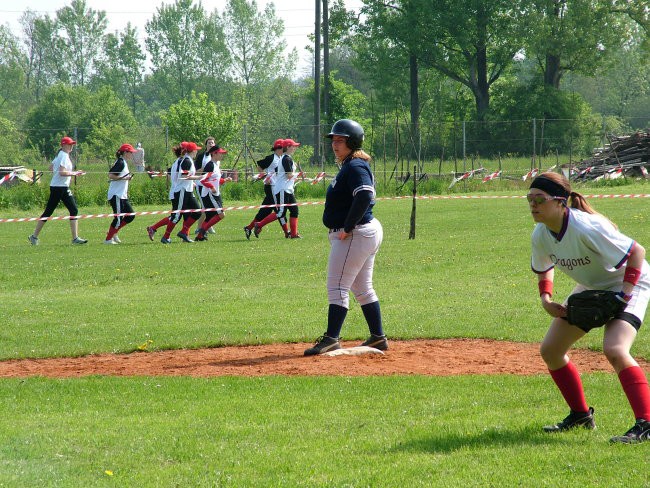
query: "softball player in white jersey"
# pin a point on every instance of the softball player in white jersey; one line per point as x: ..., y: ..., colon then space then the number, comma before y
x: 354, y: 235
x: 269, y: 164
x: 211, y: 191
x: 589, y: 249
x: 118, y: 188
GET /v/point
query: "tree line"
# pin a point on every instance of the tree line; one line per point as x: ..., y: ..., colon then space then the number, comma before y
x: 418, y: 65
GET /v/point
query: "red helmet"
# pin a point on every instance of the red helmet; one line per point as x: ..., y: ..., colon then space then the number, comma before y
x: 127, y: 148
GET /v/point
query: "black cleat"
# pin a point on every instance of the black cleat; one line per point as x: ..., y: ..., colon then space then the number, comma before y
x: 378, y: 342
x: 256, y: 231
x: 323, y: 344
x: 184, y: 237
x: 640, y: 432
x: 574, y: 420
x: 248, y: 233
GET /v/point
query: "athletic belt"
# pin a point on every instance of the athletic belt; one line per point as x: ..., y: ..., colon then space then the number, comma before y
x: 340, y: 229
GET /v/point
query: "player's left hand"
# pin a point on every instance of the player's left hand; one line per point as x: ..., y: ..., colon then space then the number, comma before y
x: 343, y: 235
x: 554, y: 309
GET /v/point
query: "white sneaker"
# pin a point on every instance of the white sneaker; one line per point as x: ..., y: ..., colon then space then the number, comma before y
x: 116, y: 239
x: 79, y: 240
x: 109, y: 241
x: 33, y: 240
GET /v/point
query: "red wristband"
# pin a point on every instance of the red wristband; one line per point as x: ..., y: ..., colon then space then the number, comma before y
x: 545, y: 286
x: 632, y: 275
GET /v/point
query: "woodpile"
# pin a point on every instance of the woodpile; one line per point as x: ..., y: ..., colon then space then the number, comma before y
x: 623, y: 156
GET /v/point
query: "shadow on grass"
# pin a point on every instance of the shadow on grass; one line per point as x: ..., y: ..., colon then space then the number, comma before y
x: 491, y: 437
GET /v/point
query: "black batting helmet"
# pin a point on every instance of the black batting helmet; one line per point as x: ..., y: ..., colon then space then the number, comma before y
x: 350, y: 129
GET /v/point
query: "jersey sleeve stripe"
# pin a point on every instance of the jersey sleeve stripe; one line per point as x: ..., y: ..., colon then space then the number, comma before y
x: 627, y: 255
x: 369, y: 188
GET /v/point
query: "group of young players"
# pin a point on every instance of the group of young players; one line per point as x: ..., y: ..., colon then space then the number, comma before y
x: 195, y: 192
x: 569, y: 236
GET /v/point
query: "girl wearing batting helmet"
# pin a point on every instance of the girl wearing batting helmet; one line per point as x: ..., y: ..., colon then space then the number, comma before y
x: 119, y: 177
x: 62, y: 171
x: 354, y: 236
x: 573, y: 238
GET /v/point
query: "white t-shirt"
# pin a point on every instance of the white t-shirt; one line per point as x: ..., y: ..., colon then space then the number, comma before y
x: 589, y: 249
x: 119, y: 188
x: 62, y: 160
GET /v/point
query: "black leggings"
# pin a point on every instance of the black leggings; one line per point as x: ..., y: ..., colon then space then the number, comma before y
x: 121, y: 205
x: 60, y: 194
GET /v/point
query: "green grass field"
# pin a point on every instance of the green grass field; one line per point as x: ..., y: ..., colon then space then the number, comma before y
x: 467, y: 274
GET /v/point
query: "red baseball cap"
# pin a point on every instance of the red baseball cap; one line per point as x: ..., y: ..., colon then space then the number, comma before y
x: 127, y: 148
x: 68, y: 141
x: 278, y: 144
x: 190, y: 146
x: 217, y: 149
x: 290, y: 143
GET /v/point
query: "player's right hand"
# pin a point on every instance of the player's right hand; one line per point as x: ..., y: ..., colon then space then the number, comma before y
x: 554, y: 309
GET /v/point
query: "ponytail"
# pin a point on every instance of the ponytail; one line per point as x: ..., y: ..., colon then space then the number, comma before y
x: 177, y: 150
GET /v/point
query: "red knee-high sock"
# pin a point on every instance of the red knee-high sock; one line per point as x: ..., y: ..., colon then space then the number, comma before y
x: 267, y: 220
x: 211, y: 222
x: 169, y: 229
x: 187, y: 224
x: 160, y: 223
x: 635, y: 386
x: 251, y: 225
x: 568, y: 381
x: 293, y: 223
x: 111, y: 232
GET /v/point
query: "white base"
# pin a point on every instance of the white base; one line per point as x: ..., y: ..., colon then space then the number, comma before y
x: 354, y: 351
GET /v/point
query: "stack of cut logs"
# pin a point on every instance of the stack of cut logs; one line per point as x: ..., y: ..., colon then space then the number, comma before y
x: 623, y: 156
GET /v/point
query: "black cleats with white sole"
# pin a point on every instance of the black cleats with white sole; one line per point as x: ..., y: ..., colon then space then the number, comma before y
x: 323, y: 344
x: 573, y: 421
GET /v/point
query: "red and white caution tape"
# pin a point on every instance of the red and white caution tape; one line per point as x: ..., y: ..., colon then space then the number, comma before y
x: 302, y: 204
x: 491, y: 176
x: 7, y: 178
x: 531, y: 174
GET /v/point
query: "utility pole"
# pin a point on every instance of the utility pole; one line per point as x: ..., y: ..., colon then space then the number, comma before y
x: 326, y: 68
x: 317, y: 157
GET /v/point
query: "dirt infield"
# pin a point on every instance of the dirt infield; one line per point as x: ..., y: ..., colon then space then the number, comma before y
x: 425, y: 357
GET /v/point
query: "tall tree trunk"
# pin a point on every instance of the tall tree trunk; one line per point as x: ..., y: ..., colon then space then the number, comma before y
x: 552, y: 72
x: 415, y: 105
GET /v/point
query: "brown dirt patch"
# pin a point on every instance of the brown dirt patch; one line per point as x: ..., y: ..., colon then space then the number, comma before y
x: 425, y: 357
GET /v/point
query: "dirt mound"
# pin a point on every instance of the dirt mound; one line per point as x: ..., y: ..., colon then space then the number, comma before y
x: 425, y: 357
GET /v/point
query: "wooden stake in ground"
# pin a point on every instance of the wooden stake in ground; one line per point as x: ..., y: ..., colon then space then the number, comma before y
x: 415, y: 192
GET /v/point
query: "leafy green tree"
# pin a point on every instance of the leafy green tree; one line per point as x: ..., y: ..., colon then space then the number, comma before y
x: 64, y: 108
x: 42, y: 67
x: 578, y: 35
x: 175, y: 41
x: 123, y: 67
x: 79, y: 40
x: 12, y: 62
x: 194, y: 118
x: 255, y: 41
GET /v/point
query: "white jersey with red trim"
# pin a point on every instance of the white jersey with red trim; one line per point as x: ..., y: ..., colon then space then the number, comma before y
x: 588, y: 248
x: 213, y: 169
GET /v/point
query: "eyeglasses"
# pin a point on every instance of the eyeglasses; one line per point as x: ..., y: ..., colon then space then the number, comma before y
x: 539, y: 199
